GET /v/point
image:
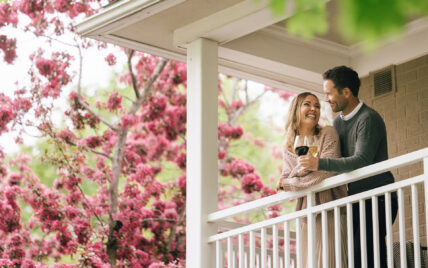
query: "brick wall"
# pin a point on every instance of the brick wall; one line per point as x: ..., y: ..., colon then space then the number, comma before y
x: 406, y: 117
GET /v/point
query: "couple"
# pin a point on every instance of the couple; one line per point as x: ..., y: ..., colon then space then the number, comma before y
x: 357, y: 139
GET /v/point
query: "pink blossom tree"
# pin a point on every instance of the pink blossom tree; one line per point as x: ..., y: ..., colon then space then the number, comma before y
x: 120, y: 144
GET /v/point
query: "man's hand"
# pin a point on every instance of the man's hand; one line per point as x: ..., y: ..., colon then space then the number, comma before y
x: 308, y: 162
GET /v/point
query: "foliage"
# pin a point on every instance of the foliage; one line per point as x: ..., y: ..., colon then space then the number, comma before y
x: 357, y: 20
x: 115, y: 189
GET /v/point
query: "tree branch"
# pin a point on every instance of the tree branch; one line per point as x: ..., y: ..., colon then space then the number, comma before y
x: 90, y: 149
x: 173, y: 232
x: 146, y: 90
x: 72, y: 168
x: 238, y: 112
x: 118, y: 158
x: 97, y: 115
x: 131, y: 73
x: 79, y: 96
x: 234, y: 88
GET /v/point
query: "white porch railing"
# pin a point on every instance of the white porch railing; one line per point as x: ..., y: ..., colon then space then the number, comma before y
x: 266, y: 244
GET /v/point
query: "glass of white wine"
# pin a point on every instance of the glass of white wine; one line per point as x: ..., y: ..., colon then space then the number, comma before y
x: 313, y: 147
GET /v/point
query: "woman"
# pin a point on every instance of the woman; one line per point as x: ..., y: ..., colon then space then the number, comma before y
x: 303, y: 117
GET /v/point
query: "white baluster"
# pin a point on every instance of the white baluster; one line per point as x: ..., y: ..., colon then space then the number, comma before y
x: 298, y: 244
x: 388, y: 218
x: 350, y: 229
x: 275, y: 246
x: 264, y: 248
x: 401, y: 219
x: 219, y: 255
x: 311, y: 231
x: 363, y: 236
x: 375, y: 223
x: 258, y: 261
x: 241, y: 251
x: 229, y: 251
x: 324, y: 225
x: 252, y: 249
x: 415, y: 219
x: 286, y: 245
x: 338, y: 237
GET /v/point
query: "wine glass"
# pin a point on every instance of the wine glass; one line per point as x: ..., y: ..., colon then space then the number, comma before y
x: 301, y: 145
x: 313, y: 147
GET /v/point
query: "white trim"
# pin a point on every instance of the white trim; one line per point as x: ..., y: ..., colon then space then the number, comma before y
x: 122, y: 14
x: 146, y: 48
x: 314, y: 43
x: 231, y: 23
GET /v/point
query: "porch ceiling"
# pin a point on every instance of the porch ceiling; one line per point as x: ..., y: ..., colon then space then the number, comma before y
x: 253, y: 44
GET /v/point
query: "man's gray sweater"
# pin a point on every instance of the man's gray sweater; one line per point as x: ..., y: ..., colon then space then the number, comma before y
x: 363, y: 142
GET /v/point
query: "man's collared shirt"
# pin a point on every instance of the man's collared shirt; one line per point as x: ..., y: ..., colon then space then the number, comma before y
x: 351, y: 114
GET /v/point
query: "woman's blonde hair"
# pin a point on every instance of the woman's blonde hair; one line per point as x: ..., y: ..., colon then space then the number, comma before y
x: 293, y: 119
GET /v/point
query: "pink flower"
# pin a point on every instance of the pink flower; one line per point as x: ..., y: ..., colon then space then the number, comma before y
x: 110, y: 59
x: 170, y: 214
x: 45, y: 66
x: 6, y: 115
x: 8, y: 45
x: 251, y: 182
x: 61, y: 5
x: 236, y: 104
x: 71, y: 182
x: 229, y: 131
x: 23, y: 104
x: 221, y: 154
x: 239, y: 167
x: 14, y: 179
x: 83, y: 231
x: 66, y: 135
x: 180, y: 160
x: 114, y: 101
x: 33, y: 8
x: 181, y: 182
x: 93, y: 141
x: 127, y: 120
x: 8, y: 15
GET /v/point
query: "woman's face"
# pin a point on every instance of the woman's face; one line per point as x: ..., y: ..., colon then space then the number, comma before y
x: 309, y: 111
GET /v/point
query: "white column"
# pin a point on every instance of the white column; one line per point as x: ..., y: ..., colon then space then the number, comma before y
x: 202, y: 180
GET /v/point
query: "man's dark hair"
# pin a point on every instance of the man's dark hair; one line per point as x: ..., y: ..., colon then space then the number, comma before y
x: 342, y: 77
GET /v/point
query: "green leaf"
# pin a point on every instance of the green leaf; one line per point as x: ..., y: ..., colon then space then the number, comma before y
x: 308, y: 23
x: 278, y: 7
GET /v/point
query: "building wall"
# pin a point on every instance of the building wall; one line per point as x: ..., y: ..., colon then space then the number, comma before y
x: 406, y: 117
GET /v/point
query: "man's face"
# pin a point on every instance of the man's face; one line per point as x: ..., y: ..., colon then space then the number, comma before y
x: 337, y: 101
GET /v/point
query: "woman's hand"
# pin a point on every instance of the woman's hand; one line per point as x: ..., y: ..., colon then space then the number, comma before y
x: 308, y: 162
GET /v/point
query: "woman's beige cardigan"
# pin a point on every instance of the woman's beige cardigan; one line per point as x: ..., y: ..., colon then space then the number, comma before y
x: 294, y: 180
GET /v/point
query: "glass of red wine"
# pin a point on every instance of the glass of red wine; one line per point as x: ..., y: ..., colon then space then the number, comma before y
x: 301, y: 145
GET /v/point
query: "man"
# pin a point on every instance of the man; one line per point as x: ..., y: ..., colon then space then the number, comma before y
x: 363, y: 142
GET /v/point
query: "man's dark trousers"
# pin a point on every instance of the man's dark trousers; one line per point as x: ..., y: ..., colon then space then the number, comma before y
x: 369, y: 230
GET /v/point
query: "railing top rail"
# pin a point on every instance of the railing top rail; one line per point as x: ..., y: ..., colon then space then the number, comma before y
x: 316, y: 209
x: 334, y: 181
